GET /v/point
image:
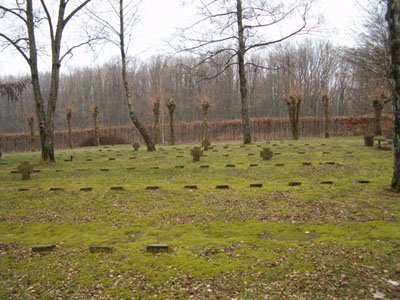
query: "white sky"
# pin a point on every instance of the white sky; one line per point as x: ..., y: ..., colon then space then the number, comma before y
x: 159, y: 18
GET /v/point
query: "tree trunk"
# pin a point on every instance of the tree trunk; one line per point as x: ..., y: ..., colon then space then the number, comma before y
x: 32, y: 131
x: 327, y: 124
x: 96, y: 126
x: 171, y: 126
x: 69, y: 116
x: 242, y: 76
x: 128, y: 97
x: 393, y: 17
x: 378, y: 108
x: 39, y: 102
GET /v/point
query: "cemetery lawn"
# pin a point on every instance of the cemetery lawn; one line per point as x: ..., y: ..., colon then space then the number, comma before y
x: 338, y: 240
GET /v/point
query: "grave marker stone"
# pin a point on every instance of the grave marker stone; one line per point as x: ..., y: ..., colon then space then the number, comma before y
x: 153, y: 188
x: 155, y: 248
x: 136, y: 146
x: 191, y: 187
x: 206, y: 144
x: 222, y: 187
x: 266, y: 154
x: 100, y: 249
x: 117, y: 188
x: 43, y: 248
x: 256, y: 185
x: 196, y: 152
x: 25, y: 169
x: 294, y: 183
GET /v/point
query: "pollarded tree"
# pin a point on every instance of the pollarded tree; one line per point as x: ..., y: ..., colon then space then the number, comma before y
x: 379, y: 98
x: 293, y: 100
x: 21, y: 20
x: 171, y: 105
x: 235, y: 28
x: 325, y: 99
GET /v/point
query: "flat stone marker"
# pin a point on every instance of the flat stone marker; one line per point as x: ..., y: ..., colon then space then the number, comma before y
x: 206, y: 145
x: 330, y: 163
x: 59, y: 170
x: 279, y: 165
x: 323, y: 144
x: 70, y: 159
x: 275, y: 145
x: 14, y: 172
x: 100, y: 249
x: 230, y: 166
x: 56, y: 189
x: 294, y: 183
x: 89, y: 159
x: 222, y: 187
x: 25, y: 169
x: 37, y: 171
x: 86, y: 189
x: 266, y: 154
x: 301, y: 152
x: 277, y: 153
x: 136, y: 146
x: 191, y: 187
x: 155, y: 248
x: 226, y: 154
x: 327, y: 182
x: 23, y: 190
x: 104, y: 170
x: 179, y: 156
x: 326, y: 152
x: 117, y: 188
x: 256, y: 185
x: 43, y: 248
x: 153, y: 188
x: 196, y: 152
x: 253, y: 165
x: 204, y: 167
x: 131, y: 168
x: 363, y: 181
x: 307, y: 164
x: 155, y: 168
x: 132, y: 157
x: 250, y: 154
x: 111, y: 158
x: 179, y: 167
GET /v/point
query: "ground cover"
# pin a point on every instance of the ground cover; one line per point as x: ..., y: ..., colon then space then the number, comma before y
x: 331, y: 237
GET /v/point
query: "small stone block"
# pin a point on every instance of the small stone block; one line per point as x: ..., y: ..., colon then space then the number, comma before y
x: 253, y: 165
x: 204, y: 167
x: 191, y: 187
x: 179, y: 167
x: 86, y: 189
x: 117, y: 188
x: 256, y: 185
x: 230, y: 166
x: 326, y: 182
x: 307, y: 164
x: 277, y: 153
x: 157, y: 248
x: 111, y: 158
x: 226, y: 155
x: 132, y: 157
x: 14, y: 172
x: 301, y: 152
x: 43, y: 248
x: 179, y: 156
x: 279, y: 165
x: 326, y: 152
x: 59, y: 170
x: 104, y: 170
x: 131, y: 168
x: 294, y: 183
x: 89, y: 159
x: 363, y: 181
x: 23, y: 190
x: 37, y: 171
x: 330, y: 163
x: 155, y: 168
x: 56, y: 189
x: 100, y: 249
x: 153, y: 188
x: 250, y: 154
x: 222, y: 187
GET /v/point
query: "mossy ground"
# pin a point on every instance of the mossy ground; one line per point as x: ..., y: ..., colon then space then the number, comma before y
x: 313, y: 241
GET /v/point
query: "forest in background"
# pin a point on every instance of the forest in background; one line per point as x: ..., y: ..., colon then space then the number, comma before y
x: 314, y: 64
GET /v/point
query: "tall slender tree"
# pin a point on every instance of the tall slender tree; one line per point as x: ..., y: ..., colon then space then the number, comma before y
x: 26, y: 18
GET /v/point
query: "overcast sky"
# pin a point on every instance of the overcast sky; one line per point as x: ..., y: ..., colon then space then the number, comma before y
x: 160, y: 18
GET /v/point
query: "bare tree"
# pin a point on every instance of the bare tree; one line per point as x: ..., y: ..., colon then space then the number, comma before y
x: 156, y: 103
x: 95, y: 114
x: 69, y: 109
x: 393, y: 17
x: 325, y: 101
x: 171, y: 105
x: 235, y: 28
x: 26, y: 18
x: 293, y: 101
x: 12, y: 90
x: 127, y: 15
x: 205, y: 105
x: 379, y: 98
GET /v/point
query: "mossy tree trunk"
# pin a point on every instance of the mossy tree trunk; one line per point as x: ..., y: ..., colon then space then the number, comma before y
x: 96, y: 125
x: 31, y: 126
x: 393, y: 19
x: 69, y: 116
x: 171, y: 105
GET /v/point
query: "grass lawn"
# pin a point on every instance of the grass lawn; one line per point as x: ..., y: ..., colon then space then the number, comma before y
x: 338, y: 240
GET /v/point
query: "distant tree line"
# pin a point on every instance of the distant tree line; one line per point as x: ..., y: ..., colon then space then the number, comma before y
x: 315, y: 65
